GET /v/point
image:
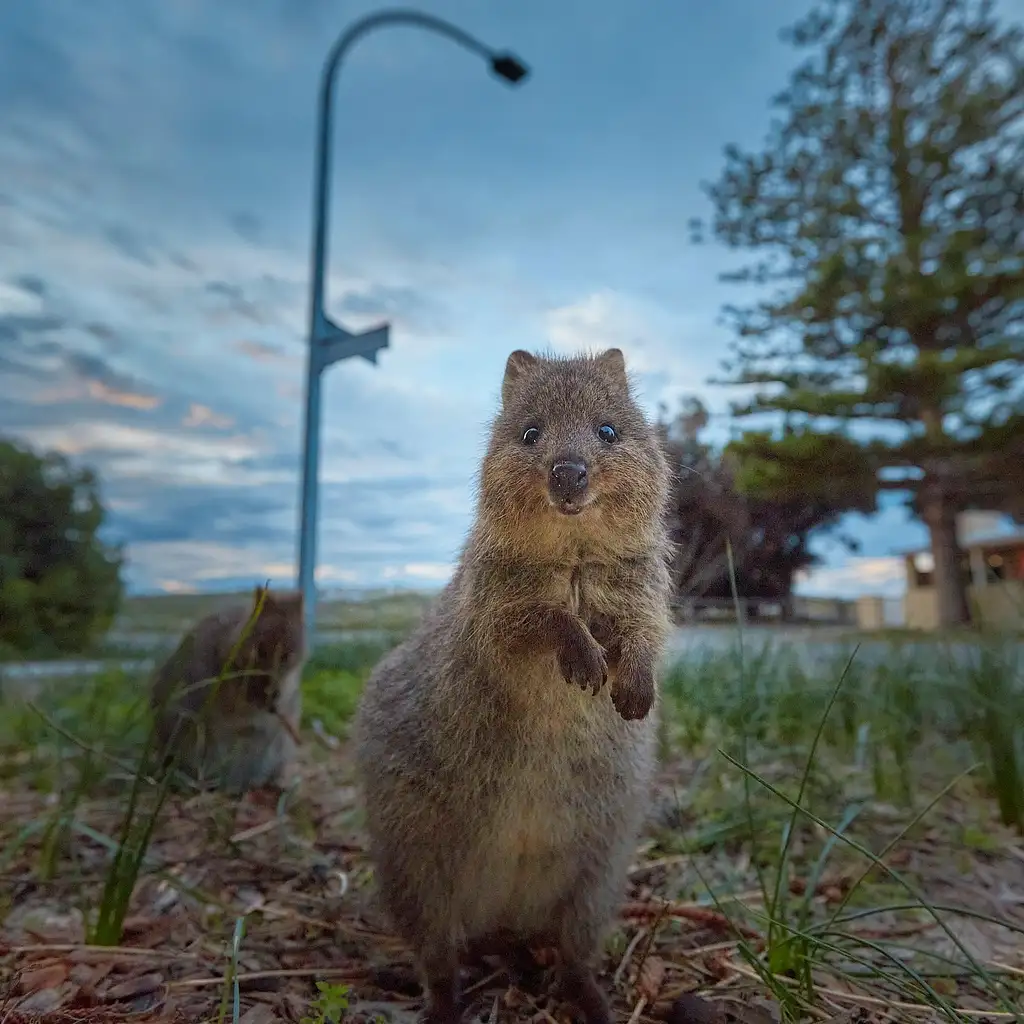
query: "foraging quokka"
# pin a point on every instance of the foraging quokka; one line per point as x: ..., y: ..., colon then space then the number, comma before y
x: 227, y: 701
x: 506, y: 748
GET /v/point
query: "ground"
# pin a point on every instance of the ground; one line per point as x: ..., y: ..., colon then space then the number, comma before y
x: 265, y: 898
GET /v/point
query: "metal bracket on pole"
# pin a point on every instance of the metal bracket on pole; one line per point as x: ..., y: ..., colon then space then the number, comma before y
x: 333, y: 343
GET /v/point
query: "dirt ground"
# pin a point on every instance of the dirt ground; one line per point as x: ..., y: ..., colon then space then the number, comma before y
x: 302, y: 881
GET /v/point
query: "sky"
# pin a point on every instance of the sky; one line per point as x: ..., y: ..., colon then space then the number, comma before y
x: 155, y: 223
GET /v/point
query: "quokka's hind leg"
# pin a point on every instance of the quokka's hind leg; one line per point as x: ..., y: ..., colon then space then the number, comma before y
x: 440, y: 967
x: 582, y: 920
x: 579, y: 985
x: 515, y: 955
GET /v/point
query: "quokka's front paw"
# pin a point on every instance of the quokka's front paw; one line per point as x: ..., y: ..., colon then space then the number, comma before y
x: 582, y: 662
x: 633, y: 690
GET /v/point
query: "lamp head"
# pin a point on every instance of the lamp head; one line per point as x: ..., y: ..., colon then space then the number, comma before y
x: 512, y: 69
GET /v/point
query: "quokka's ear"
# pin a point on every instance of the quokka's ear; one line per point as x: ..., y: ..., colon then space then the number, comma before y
x: 518, y: 364
x: 612, y: 361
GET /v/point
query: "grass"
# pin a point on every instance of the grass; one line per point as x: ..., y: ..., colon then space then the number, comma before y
x: 836, y: 838
x: 387, y: 611
x: 152, y: 623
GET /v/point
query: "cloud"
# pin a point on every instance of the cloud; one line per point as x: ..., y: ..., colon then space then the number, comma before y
x: 434, y: 572
x: 106, y: 385
x: 103, y: 392
x: 658, y: 346
x: 602, y: 320
x: 233, y: 304
x: 260, y: 351
x: 22, y: 298
x: 875, y: 576
x: 20, y: 330
x: 203, y: 562
x: 130, y: 244
x: 31, y: 336
x: 217, y: 537
x: 402, y: 304
x: 247, y: 225
x: 203, y: 416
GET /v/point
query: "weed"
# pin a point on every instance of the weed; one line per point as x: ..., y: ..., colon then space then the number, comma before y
x: 329, y: 1006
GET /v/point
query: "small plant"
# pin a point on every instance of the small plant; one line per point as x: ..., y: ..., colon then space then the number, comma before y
x: 995, y: 688
x: 329, y: 1006
x: 231, y: 989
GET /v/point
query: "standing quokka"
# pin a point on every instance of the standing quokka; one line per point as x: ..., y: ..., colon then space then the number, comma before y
x: 227, y: 701
x: 506, y: 748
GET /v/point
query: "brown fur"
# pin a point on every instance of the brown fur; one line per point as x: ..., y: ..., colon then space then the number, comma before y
x: 230, y: 718
x: 506, y: 748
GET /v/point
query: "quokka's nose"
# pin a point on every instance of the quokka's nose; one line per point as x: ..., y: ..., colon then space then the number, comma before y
x: 568, y: 480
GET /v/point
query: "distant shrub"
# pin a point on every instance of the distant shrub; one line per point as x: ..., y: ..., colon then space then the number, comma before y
x: 60, y: 585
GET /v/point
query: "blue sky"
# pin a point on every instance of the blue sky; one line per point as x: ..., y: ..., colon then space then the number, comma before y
x: 155, y: 194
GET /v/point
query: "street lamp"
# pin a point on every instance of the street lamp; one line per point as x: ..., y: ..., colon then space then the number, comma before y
x: 329, y: 342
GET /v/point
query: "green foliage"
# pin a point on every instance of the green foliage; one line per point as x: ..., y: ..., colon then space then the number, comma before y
x: 331, y: 698
x: 815, y: 744
x: 357, y: 656
x: 329, y: 1006
x: 840, y: 467
x: 888, y: 206
x: 60, y: 585
x: 334, y: 677
x: 898, y: 707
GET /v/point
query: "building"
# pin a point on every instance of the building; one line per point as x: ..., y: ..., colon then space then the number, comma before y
x: 994, y: 573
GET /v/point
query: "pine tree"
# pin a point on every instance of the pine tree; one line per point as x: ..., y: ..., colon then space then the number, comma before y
x: 887, y: 208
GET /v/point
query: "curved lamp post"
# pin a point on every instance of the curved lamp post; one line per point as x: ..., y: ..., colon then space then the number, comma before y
x: 328, y: 342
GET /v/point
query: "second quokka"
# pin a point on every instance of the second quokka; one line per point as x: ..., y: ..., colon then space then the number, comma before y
x: 227, y: 701
x: 506, y: 748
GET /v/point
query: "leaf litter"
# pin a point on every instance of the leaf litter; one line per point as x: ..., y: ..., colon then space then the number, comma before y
x: 300, y: 878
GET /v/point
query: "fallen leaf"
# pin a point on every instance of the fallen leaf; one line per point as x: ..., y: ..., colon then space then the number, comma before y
x: 760, y: 1011
x: 140, y: 986
x: 90, y: 974
x: 259, y: 1014
x: 691, y: 1009
x: 49, y: 976
x: 650, y: 978
x: 45, y: 1001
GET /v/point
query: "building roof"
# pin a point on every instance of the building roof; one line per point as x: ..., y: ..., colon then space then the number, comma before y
x: 985, y: 545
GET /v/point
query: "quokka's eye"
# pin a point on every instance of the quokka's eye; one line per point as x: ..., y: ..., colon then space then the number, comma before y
x: 607, y: 433
x: 531, y: 435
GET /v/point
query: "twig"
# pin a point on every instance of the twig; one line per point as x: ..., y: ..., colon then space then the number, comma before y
x: 484, y: 982
x: 690, y: 912
x: 348, y: 973
x: 289, y: 728
x: 256, y: 830
x: 75, y: 947
x: 1007, y: 968
x: 633, y: 943
x: 637, y: 1010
